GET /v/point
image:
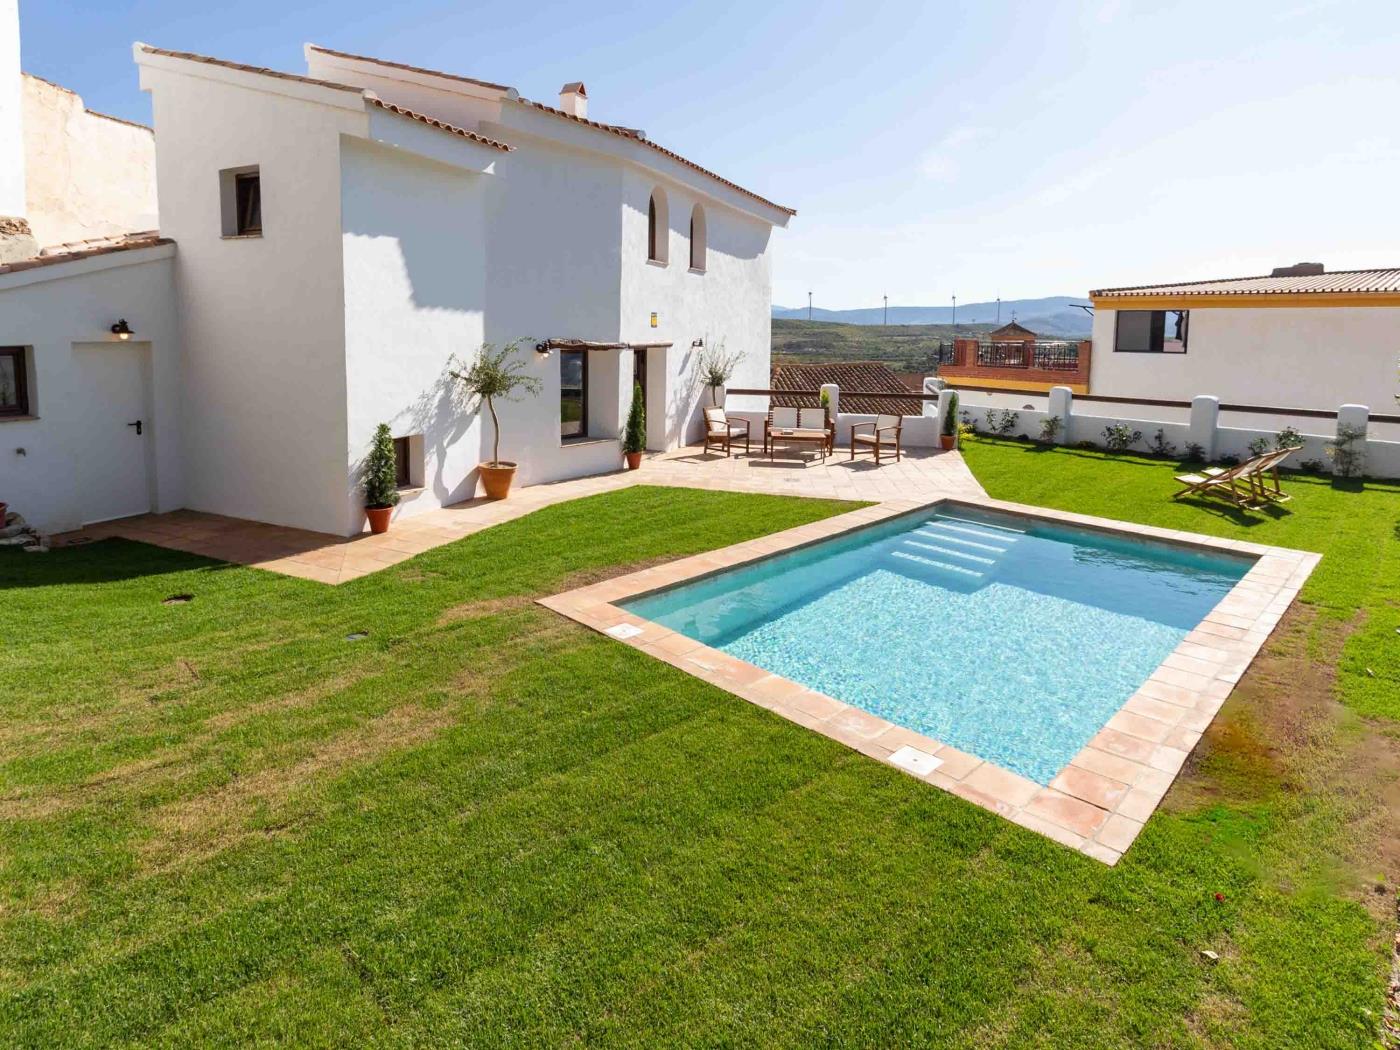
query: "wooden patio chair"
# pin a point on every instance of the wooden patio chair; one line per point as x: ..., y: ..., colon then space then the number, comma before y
x: 885, y: 432
x: 720, y: 430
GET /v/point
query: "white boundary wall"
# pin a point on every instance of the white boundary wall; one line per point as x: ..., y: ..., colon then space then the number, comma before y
x: 1085, y: 421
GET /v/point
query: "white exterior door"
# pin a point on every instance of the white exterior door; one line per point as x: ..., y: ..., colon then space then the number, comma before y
x: 112, y: 432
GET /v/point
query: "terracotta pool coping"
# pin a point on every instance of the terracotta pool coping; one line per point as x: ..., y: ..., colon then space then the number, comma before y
x: 1099, y: 802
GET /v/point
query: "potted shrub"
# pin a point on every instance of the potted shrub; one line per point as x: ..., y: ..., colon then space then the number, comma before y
x: 949, y: 438
x: 381, y: 480
x: 634, y: 438
x: 717, y: 368
x: 496, y: 374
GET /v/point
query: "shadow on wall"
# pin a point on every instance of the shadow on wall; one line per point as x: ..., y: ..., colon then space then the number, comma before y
x: 685, y: 400
x: 443, y: 414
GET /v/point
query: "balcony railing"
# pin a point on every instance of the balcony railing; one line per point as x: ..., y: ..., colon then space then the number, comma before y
x: 1059, y: 357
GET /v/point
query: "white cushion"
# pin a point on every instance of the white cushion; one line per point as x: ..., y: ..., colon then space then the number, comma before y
x: 811, y: 418
x: 785, y: 417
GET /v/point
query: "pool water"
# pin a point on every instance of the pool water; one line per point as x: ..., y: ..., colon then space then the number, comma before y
x: 1005, y: 636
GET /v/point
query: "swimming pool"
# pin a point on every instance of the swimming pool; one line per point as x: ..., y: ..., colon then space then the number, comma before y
x: 1005, y: 636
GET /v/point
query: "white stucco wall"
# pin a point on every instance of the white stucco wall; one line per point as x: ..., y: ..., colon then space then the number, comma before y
x: 1291, y: 357
x: 61, y: 312
x: 415, y: 296
x: 730, y: 303
x: 88, y: 175
x: 11, y: 107
x: 263, y: 317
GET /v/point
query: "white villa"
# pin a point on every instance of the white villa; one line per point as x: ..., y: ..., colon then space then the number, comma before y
x: 1297, y: 338
x: 327, y: 244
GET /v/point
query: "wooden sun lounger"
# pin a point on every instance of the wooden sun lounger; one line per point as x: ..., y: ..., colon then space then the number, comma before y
x: 1233, y: 483
x: 1250, y: 484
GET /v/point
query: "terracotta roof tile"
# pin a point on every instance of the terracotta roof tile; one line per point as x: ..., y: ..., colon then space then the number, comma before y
x: 374, y: 100
x: 190, y: 56
x: 368, y: 96
x: 636, y: 136
x: 848, y: 375
x: 1341, y: 282
x: 75, y: 250
x: 410, y: 69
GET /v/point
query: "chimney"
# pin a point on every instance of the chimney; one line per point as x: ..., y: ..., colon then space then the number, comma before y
x: 1303, y: 269
x: 573, y: 100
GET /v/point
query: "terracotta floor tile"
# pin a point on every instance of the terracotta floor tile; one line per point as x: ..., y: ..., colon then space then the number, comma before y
x: 1002, y: 784
x: 1094, y: 788
x: 1074, y: 814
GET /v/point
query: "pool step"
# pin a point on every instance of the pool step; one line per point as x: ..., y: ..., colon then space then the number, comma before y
x: 973, y: 529
x: 950, y: 552
x: 980, y: 524
x: 934, y: 563
x: 948, y: 537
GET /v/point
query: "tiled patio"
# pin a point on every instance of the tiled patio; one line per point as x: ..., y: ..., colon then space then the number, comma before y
x: 921, y: 476
x: 1097, y: 803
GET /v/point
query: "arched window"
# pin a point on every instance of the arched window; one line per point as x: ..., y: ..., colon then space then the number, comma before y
x: 657, y: 227
x: 698, y: 240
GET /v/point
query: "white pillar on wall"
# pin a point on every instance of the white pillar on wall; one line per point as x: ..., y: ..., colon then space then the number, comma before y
x: 932, y: 385
x: 1357, y: 417
x: 1205, y: 416
x: 944, y: 396
x: 1061, y: 404
x: 833, y: 393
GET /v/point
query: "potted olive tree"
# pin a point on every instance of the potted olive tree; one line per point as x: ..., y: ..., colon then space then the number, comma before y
x: 381, y: 480
x: 717, y: 368
x: 496, y: 374
x: 949, y: 438
x: 634, y: 438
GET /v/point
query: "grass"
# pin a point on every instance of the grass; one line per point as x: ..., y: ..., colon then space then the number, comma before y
x: 223, y: 822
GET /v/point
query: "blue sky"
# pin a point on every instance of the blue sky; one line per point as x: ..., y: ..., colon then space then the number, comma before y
x: 970, y: 149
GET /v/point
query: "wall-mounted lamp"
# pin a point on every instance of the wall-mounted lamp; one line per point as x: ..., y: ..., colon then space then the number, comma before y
x: 696, y: 342
x: 542, y: 349
x: 122, y: 330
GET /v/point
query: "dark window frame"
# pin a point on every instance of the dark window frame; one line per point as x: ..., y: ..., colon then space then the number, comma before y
x: 21, y: 405
x: 247, y: 203
x: 582, y: 435
x: 1157, y: 332
x: 652, y: 245
x: 698, y: 263
x: 403, y: 451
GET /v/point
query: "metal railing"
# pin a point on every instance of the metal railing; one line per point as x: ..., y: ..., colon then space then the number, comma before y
x: 1049, y: 357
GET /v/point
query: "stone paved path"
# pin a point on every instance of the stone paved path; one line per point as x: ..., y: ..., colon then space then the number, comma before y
x: 923, y: 475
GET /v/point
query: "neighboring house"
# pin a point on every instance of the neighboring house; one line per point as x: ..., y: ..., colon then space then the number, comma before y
x: 1298, y: 338
x: 1012, y: 333
x: 328, y: 243
x: 865, y: 376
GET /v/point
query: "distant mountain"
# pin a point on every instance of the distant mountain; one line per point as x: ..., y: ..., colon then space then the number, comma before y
x: 1057, y: 315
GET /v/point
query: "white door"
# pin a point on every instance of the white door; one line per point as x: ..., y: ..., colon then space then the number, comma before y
x: 113, y: 431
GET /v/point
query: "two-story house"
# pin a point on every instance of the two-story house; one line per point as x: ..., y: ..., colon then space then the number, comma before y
x: 328, y: 245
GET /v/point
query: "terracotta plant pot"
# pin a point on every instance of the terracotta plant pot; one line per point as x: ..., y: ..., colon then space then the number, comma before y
x: 496, y: 478
x: 947, y: 441
x: 379, y: 519
x: 634, y: 460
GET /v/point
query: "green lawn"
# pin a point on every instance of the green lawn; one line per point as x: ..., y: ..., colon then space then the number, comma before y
x: 223, y: 822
